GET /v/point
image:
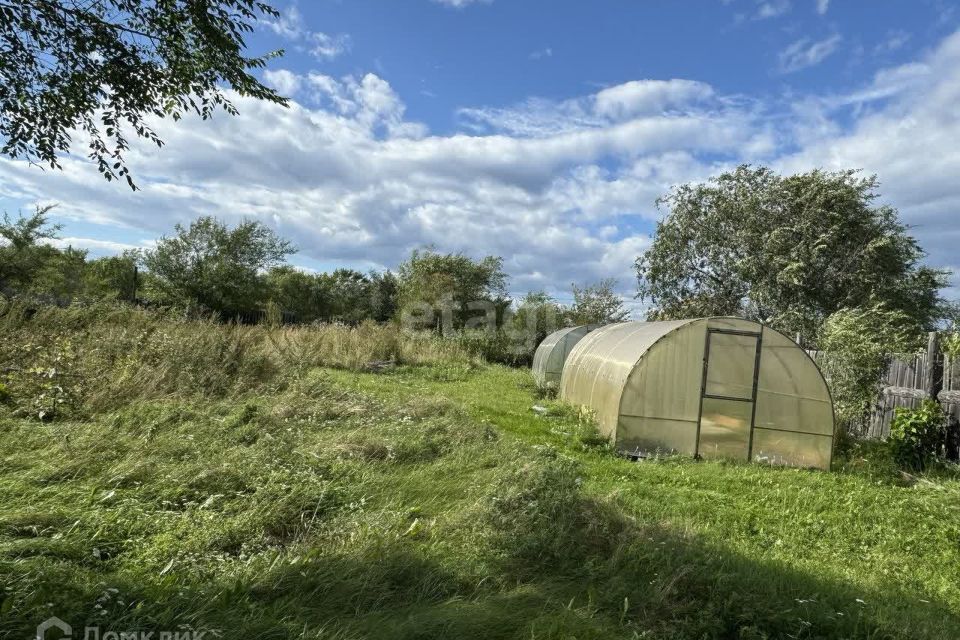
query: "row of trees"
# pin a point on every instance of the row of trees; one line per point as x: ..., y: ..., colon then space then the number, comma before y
x: 790, y: 252
x: 242, y: 271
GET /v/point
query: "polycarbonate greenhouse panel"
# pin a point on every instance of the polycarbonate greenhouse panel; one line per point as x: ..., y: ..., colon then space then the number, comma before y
x: 599, y: 365
x: 657, y: 436
x: 647, y: 383
x: 730, y: 365
x: 791, y: 392
x: 659, y: 385
x: 551, y: 355
x: 725, y: 429
x: 792, y: 449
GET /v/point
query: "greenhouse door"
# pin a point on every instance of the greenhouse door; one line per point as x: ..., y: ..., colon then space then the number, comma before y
x: 728, y: 393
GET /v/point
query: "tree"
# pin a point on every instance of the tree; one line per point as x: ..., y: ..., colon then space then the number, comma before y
x: 857, y: 344
x: 216, y: 268
x: 786, y: 251
x: 24, y: 255
x: 343, y: 295
x: 597, y: 304
x: 348, y: 296
x: 384, y: 290
x: 538, y: 315
x: 61, y: 275
x: 452, y: 285
x: 105, y: 66
x: 112, y: 277
x: 296, y: 292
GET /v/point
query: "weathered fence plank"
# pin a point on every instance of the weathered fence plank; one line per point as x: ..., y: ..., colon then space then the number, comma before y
x: 908, y: 380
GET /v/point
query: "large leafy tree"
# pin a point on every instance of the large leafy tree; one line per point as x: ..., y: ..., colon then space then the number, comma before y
x: 216, y: 268
x: 113, y: 277
x: 296, y: 292
x: 348, y: 295
x: 383, y: 295
x: 787, y: 251
x: 538, y: 315
x: 451, y: 283
x: 857, y: 344
x: 597, y: 304
x: 104, y: 67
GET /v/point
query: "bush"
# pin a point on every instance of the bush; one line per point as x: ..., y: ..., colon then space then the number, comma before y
x: 917, y: 435
x: 497, y: 346
x: 857, y: 343
x: 950, y: 345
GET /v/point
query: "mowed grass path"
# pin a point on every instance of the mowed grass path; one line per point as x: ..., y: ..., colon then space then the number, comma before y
x: 431, y: 502
x: 892, y: 549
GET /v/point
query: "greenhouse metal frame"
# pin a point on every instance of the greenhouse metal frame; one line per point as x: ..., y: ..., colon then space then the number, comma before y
x: 707, y: 387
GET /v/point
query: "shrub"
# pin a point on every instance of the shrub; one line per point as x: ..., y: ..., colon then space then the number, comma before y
x: 918, y: 435
x: 950, y: 345
x: 41, y: 379
x: 498, y: 345
x: 858, y: 342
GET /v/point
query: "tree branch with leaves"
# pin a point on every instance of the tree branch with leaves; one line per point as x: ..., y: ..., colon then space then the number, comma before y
x: 103, y: 68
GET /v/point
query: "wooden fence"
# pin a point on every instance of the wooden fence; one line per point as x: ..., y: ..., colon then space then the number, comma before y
x: 909, y: 379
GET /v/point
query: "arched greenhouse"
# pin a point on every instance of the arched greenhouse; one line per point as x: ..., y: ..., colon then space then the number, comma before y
x: 708, y: 387
x: 549, y: 357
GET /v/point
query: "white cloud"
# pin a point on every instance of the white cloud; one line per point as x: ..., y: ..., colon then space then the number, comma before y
x: 326, y: 47
x: 625, y: 102
x: 772, y: 9
x: 561, y: 189
x: 93, y: 245
x: 648, y: 96
x: 541, y: 53
x: 284, y: 81
x: 322, y: 46
x: 805, y: 53
x: 822, y: 6
x: 289, y: 24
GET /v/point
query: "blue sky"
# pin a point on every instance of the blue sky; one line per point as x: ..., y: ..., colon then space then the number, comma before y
x: 541, y: 131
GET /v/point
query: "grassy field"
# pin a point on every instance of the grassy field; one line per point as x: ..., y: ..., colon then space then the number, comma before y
x: 289, y: 494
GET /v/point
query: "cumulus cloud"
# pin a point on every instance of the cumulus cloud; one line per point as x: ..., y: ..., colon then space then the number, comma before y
x: 772, y: 9
x: 563, y: 190
x: 805, y: 53
x: 284, y: 81
x: 322, y: 46
x: 648, y: 96
x: 905, y: 130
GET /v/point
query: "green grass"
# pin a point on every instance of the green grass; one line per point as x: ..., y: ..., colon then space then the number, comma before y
x: 429, y: 501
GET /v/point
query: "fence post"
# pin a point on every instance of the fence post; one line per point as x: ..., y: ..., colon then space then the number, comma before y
x: 934, y: 373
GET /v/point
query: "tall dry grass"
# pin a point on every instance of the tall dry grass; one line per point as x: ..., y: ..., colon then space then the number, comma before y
x: 57, y: 361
